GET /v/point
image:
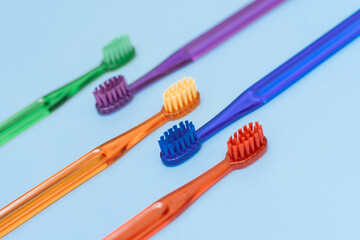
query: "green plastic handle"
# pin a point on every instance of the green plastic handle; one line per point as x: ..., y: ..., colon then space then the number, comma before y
x: 45, y: 105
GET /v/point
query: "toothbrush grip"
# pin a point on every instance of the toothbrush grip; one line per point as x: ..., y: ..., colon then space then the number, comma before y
x: 206, y: 42
x: 40, y: 197
x: 44, y: 106
x: 284, y: 76
x: 229, y: 27
x: 43, y: 195
x: 165, y: 210
x: 23, y: 120
x: 308, y: 59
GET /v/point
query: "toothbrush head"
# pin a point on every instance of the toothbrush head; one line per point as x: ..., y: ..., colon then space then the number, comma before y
x: 117, y: 53
x: 178, y: 144
x: 112, y: 95
x: 246, y: 146
x: 180, y: 98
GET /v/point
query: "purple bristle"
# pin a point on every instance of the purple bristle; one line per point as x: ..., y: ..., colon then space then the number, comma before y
x: 112, y: 94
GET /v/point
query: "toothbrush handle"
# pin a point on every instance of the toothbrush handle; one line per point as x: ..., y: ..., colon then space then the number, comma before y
x: 22, y: 120
x: 44, y: 106
x: 284, y: 76
x: 308, y: 59
x: 162, y: 212
x: 46, y: 193
x: 206, y: 42
x: 43, y: 195
x: 229, y: 27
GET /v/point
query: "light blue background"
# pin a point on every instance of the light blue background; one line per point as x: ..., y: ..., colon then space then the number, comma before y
x: 305, y: 187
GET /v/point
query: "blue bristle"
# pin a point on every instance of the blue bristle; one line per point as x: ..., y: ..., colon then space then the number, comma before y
x: 166, y: 151
x: 191, y: 136
x: 179, y: 143
x: 182, y: 143
x: 171, y: 148
x: 187, y: 140
x: 161, y: 145
x: 182, y: 126
x: 177, y: 146
x: 166, y: 135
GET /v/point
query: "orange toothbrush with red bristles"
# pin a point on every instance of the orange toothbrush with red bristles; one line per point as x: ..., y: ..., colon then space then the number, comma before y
x: 179, y: 99
x: 244, y: 148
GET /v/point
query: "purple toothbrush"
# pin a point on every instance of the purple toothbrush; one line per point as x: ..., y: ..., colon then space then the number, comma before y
x: 115, y: 93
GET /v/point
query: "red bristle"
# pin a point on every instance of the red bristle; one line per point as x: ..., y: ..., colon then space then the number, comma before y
x: 245, y: 141
x: 229, y: 145
x: 245, y: 128
x: 252, y: 144
x: 241, y: 150
x: 261, y: 134
x: 257, y: 139
x: 247, y: 147
x: 235, y: 152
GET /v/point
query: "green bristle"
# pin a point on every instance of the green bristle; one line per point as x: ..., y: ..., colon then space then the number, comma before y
x: 118, y: 52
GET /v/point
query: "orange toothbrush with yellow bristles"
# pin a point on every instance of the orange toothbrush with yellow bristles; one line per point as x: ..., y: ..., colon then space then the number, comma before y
x: 179, y: 100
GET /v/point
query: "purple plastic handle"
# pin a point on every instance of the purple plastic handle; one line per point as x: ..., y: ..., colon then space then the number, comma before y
x: 284, y: 76
x: 207, y: 41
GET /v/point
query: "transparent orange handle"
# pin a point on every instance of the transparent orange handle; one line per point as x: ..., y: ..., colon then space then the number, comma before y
x: 51, y: 190
x: 43, y: 195
x: 162, y: 212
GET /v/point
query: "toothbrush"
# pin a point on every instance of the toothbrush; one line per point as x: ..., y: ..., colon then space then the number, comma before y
x: 177, y: 148
x: 115, y: 54
x: 185, y: 55
x: 179, y: 100
x: 244, y: 148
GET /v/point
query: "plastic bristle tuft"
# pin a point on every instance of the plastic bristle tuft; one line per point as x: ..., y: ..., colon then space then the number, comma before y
x: 118, y: 52
x: 112, y: 94
x: 180, y: 95
x: 178, y: 143
x: 245, y: 142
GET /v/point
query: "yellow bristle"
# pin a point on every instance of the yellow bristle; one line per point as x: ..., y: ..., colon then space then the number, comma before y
x: 180, y: 95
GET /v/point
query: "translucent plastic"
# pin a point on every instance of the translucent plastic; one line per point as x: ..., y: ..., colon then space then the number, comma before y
x: 81, y: 170
x: 285, y: 75
x: 44, y: 106
x: 206, y: 42
x: 165, y: 210
x: 121, y: 47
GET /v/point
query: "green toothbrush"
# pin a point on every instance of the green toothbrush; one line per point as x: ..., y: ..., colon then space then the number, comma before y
x: 116, y: 54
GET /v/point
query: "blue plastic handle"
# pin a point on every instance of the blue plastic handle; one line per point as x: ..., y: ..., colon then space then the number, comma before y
x: 284, y: 76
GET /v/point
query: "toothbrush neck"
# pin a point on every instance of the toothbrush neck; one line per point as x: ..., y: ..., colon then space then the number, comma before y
x: 119, y: 145
x: 162, y: 212
x: 61, y: 95
x: 242, y: 105
x: 194, y: 189
x: 174, y: 62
